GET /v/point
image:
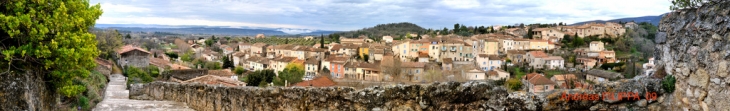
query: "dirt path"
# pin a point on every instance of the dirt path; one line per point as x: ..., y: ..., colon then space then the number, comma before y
x: 117, y: 99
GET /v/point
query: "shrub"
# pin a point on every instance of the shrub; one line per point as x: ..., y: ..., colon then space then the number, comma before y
x: 514, y: 84
x: 668, y: 83
x: 83, y: 102
x: 500, y: 81
x: 239, y: 70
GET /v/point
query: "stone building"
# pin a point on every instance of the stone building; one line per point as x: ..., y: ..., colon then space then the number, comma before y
x: 133, y: 56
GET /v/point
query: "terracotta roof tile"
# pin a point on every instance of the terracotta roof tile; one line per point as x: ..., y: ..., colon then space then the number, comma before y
x: 318, y: 82
x: 128, y: 48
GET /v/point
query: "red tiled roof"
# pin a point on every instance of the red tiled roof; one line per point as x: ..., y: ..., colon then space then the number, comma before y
x: 540, y: 80
x: 538, y: 54
x: 128, y: 48
x: 318, y: 82
x: 563, y: 77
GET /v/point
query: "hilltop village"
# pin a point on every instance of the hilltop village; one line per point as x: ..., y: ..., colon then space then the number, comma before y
x: 523, y: 58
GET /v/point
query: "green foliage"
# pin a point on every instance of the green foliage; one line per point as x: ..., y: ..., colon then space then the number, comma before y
x: 365, y: 57
x: 500, y: 81
x: 212, y: 65
x: 239, y: 70
x: 136, y: 75
x: 127, y: 36
x: 227, y: 62
x: 209, y: 42
x: 611, y: 65
x: 83, y: 102
x: 171, y: 55
x: 52, y: 35
x: 260, y: 77
x: 514, y: 84
x: 381, y: 30
x: 294, y: 41
x: 154, y: 71
x: 188, y: 56
x: 529, y: 33
x: 681, y: 4
x: 108, y: 41
x: 292, y: 73
x: 668, y: 83
x: 577, y: 41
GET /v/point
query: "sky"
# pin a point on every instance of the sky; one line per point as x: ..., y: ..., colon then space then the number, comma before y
x: 344, y: 15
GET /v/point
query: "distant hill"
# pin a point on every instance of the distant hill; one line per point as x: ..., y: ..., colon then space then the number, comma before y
x: 654, y: 20
x: 245, y: 31
x: 393, y: 29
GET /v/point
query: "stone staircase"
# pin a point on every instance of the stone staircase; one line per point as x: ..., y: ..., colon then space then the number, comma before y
x: 117, y: 99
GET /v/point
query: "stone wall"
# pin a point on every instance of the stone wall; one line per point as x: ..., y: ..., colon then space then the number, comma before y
x: 437, y: 96
x: 692, y: 45
x: 25, y: 91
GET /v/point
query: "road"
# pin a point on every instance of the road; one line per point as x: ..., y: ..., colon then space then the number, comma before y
x: 117, y: 99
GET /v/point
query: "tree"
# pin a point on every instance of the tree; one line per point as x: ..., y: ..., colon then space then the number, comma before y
x: 257, y: 78
x: 239, y: 70
x: 108, y: 41
x: 50, y: 35
x: 392, y: 68
x: 292, y: 73
x: 456, y: 27
x: 577, y: 41
x: 286, y: 41
x: 212, y: 65
x: 128, y: 36
x: 681, y: 4
x: 434, y: 75
x: 514, y: 84
x: 171, y: 55
x: 321, y: 41
x: 227, y: 62
x: 529, y: 33
x: 188, y: 56
x: 209, y: 42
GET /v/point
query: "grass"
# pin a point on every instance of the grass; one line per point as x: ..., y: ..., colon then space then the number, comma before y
x: 550, y: 73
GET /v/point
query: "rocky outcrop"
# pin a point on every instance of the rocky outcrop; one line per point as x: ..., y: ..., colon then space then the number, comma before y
x: 693, y: 46
x: 437, y: 96
x: 25, y: 91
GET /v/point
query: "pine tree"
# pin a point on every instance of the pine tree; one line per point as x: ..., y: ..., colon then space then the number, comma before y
x: 321, y: 41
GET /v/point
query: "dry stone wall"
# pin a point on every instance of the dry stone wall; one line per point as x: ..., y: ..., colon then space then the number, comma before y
x: 446, y: 96
x: 692, y: 45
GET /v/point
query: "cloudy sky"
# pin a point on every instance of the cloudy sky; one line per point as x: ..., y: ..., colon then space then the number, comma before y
x: 341, y: 15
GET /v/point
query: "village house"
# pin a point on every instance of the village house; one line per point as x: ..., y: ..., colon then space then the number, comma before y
x: 456, y: 50
x: 387, y: 39
x: 363, y: 50
x: 434, y: 53
x: 648, y: 67
x: 259, y: 49
x: 337, y: 66
x: 415, y: 70
x: 356, y: 41
x: 423, y: 57
x: 521, y: 44
x: 376, y: 55
x: 133, y: 56
x: 554, y: 62
x: 244, y: 47
x: 506, y: 44
x: 238, y: 58
x: 349, y: 49
x: 315, y: 53
x: 516, y: 56
x: 564, y: 79
x: 475, y: 74
x: 537, y: 83
x: 210, y: 55
x: 516, y: 31
x: 103, y: 66
x: 400, y: 49
x: 600, y: 76
x: 308, y: 38
x: 497, y: 74
x: 227, y: 49
x: 260, y: 36
x: 588, y: 63
x: 259, y: 63
x: 546, y: 33
x: 368, y: 72
x: 311, y: 68
x: 278, y: 64
x: 540, y: 45
x: 447, y: 64
x: 491, y: 46
x: 596, y: 46
x: 300, y: 52
x: 335, y: 49
x: 606, y: 57
x: 532, y: 55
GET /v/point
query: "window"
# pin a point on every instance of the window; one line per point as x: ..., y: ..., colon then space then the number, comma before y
x: 476, y: 76
x: 417, y: 71
x: 546, y: 87
x: 484, y: 62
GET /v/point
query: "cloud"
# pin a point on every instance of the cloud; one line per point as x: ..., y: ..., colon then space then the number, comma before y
x: 358, y: 14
